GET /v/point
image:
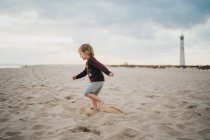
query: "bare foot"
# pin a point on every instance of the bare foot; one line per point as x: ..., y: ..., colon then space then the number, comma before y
x: 100, y: 103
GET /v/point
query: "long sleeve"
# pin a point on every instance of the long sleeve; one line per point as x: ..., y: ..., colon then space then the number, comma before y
x: 82, y: 74
x: 98, y: 65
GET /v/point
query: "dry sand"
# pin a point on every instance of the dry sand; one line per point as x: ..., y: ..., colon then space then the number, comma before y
x: 43, y: 103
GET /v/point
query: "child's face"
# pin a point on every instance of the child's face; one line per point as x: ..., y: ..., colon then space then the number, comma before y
x: 83, y: 55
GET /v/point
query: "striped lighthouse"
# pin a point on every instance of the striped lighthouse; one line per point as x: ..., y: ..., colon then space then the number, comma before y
x: 182, y: 57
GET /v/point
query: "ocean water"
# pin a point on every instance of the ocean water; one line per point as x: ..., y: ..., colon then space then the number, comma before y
x: 3, y: 66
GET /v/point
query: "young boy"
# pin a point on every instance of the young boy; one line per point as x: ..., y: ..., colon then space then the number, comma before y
x: 94, y: 71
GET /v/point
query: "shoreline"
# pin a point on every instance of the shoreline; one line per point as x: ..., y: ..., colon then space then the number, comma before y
x: 200, y: 67
x: 204, y: 68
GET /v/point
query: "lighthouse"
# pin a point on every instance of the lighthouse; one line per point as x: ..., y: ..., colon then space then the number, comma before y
x: 182, y: 57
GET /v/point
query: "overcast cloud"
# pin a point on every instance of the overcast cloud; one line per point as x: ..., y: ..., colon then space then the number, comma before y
x: 136, y: 31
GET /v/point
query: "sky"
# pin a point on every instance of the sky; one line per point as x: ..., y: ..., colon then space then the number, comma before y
x: 144, y: 32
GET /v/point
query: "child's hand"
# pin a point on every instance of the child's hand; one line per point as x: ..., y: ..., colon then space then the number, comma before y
x: 74, y: 77
x: 111, y: 74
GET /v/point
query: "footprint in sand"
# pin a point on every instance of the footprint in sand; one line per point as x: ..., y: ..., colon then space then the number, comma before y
x: 40, y: 127
x: 207, y: 103
x: 68, y: 97
x: 192, y: 106
x: 3, y: 119
x: 205, y: 133
x: 152, y: 96
x: 39, y: 133
x: 181, y: 126
x: 85, y: 129
x: 2, y: 99
x: 173, y: 132
x: 126, y: 133
x: 104, y: 108
x: 169, y: 130
x: 164, y: 126
x: 191, y: 114
x: 10, y: 133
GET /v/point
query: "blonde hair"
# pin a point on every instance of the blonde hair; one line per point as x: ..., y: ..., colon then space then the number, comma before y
x: 86, y: 48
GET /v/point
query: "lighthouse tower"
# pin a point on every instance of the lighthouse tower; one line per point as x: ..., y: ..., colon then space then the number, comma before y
x: 182, y: 57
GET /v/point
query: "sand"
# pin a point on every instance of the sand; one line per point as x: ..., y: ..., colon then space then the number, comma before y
x: 44, y: 103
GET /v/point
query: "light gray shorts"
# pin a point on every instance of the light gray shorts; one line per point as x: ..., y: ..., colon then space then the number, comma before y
x: 94, y: 88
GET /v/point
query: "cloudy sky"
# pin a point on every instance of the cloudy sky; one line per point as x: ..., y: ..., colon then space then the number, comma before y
x: 132, y: 31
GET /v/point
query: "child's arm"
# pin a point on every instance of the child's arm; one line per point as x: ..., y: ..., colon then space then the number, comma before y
x: 82, y: 74
x: 100, y: 66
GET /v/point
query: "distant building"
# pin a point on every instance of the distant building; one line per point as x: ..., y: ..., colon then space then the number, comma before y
x: 182, y: 56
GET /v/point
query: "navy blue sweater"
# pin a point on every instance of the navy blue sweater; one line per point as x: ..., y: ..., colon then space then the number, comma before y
x: 94, y: 70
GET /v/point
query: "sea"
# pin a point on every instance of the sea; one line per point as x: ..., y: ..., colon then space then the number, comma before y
x: 3, y: 66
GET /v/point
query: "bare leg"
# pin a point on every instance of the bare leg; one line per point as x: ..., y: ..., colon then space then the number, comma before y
x: 96, y: 99
x: 100, y: 103
x: 94, y: 104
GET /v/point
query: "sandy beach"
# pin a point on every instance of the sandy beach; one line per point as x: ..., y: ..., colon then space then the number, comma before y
x: 44, y: 103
